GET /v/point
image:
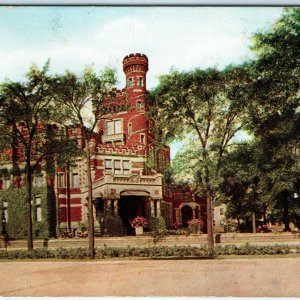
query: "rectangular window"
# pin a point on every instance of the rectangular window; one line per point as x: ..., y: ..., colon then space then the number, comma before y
x: 140, y: 81
x: 110, y: 127
x: 221, y: 211
x: 139, y: 105
x: 108, y: 166
x: 38, y: 181
x: 61, y: 180
x: 75, y: 180
x: 117, y: 166
x: 142, y: 137
x: 114, y: 127
x: 118, y: 126
x: 126, y: 167
x: 38, y: 209
x: 7, y: 183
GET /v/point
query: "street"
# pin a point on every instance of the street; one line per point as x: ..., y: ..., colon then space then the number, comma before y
x: 228, y: 277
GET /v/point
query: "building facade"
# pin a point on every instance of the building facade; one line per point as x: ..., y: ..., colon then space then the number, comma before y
x: 127, y: 168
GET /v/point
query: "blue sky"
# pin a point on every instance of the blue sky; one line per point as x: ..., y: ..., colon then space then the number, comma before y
x: 75, y: 37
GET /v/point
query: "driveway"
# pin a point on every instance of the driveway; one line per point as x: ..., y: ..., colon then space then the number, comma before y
x: 263, y: 277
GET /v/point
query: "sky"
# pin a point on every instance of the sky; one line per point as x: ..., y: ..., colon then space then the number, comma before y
x: 172, y: 37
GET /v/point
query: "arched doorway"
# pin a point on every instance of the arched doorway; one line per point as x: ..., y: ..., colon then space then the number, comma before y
x: 186, y: 215
x: 130, y: 205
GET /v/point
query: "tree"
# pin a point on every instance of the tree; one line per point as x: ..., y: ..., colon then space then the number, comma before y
x: 245, y: 187
x: 274, y: 107
x: 207, y: 104
x: 27, y: 116
x: 87, y: 100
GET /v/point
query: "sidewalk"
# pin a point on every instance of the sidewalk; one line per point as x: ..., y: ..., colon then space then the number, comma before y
x: 290, y: 239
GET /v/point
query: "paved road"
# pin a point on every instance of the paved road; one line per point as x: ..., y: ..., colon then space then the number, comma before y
x: 230, y: 277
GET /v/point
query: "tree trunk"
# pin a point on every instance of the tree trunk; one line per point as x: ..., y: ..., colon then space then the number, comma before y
x: 253, y: 223
x: 29, y: 199
x: 210, y: 225
x: 90, y: 202
x: 286, y: 208
x: 68, y: 198
x: 238, y: 225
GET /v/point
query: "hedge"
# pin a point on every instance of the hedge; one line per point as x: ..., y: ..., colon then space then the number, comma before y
x: 151, y: 252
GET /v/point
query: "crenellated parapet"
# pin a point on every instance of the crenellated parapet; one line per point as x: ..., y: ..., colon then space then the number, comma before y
x: 135, y: 62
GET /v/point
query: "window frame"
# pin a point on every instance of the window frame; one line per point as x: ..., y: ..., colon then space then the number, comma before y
x: 75, y: 183
x: 114, y: 131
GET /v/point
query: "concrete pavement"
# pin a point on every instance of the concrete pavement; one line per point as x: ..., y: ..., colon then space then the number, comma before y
x: 262, y: 277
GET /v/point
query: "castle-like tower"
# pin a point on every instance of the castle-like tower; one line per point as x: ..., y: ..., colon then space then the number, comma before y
x: 122, y: 179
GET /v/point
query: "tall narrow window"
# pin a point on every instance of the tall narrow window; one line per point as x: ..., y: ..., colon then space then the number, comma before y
x: 126, y: 167
x: 108, y: 166
x: 110, y: 127
x: 221, y: 211
x: 61, y: 180
x: 129, y: 82
x: 142, y: 138
x: 75, y: 180
x: 117, y: 166
x: 38, y: 209
x: 7, y: 183
x: 129, y: 128
x: 140, y: 81
x: 118, y: 126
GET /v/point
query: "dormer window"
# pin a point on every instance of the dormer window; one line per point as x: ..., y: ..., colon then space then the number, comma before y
x: 129, y: 82
x: 140, y: 81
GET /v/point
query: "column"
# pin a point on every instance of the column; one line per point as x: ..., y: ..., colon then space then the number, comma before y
x: 194, y: 213
x: 158, y: 208
x: 115, y: 207
x: 152, y: 207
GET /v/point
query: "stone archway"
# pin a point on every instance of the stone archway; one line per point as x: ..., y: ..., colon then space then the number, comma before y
x: 130, y: 205
x: 186, y: 215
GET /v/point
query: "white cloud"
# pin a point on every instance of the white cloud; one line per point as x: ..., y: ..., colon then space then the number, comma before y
x: 185, y: 44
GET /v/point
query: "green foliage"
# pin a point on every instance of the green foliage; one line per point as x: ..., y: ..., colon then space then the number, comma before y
x: 156, y: 225
x: 208, y: 105
x: 274, y: 114
x: 151, y: 252
x: 230, y: 226
x: 110, y: 224
x: 17, y: 213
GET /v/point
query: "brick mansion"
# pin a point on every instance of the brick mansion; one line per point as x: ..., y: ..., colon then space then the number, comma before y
x: 127, y: 171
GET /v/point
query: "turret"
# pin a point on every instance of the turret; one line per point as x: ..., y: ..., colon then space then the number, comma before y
x: 135, y: 67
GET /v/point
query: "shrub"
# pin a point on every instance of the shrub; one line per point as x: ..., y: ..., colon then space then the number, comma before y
x: 157, y: 224
x: 160, y: 251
